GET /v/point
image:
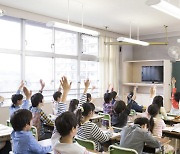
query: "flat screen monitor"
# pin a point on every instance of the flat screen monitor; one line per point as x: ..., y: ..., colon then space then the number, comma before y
x: 152, y: 74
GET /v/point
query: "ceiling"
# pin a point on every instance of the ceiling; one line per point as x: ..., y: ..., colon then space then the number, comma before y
x: 116, y: 14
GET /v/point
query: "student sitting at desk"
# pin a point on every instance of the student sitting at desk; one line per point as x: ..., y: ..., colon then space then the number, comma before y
x: 175, y: 99
x: 120, y: 113
x: 89, y: 130
x: 137, y: 135
x: 62, y: 140
x: 17, y: 99
x: 73, y: 105
x: 23, y: 140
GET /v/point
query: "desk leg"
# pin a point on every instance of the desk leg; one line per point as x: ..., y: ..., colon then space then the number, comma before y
x: 176, y: 142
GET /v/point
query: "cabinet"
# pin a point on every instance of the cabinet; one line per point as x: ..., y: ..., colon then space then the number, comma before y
x: 132, y: 75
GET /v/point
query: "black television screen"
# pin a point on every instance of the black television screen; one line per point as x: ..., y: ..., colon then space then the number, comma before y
x: 152, y: 73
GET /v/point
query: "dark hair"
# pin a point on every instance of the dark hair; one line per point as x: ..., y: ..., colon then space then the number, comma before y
x: 87, y: 108
x: 153, y: 110
x: 73, y: 105
x: 142, y: 121
x: 158, y: 100
x: 177, y: 96
x: 119, y: 106
x: 65, y: 122
x: 114, y: 94
x: 130, y: 95
x: 88, y: 97
x: 36, y: 99
x: 15, y: 98
x: 56, y: 95
x: 107, y: 97
x: 20, y: 119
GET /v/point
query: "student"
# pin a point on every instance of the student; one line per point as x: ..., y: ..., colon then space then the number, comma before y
x: 59, y: 105
x: 39, y: 117
x: 89, y: 130
x: 114, y: 95
x: 137, y: 135
x: 158, y: 100
x: 73, y: 105
x: 135, y: 105
x: 175, y: 99
x: 17, y: 99
x: 157, y: 125
x: 107, y: 106
x: 62, y: 140
x: 120, y: 113
x: 23, y: 140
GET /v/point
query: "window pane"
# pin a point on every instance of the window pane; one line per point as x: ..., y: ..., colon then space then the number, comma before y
x: 65, y: 43
x: 38, y: 38
x: 10, y: 31
x: 90, y: 45
x: 10, y: 74
x: 90, y: 70
x: 39, y: 68
x: 68, y: 68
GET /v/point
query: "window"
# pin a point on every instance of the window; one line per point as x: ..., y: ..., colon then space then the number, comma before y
x: 10, y: 74
x: 10, y: 31
x: 90, y: 45
x: 68, y: 68
x: 38, y: 38
x: 65, y: 43
x: 39, y: 68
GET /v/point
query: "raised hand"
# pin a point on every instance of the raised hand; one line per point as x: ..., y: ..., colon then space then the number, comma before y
x: 42, y: 83
x: 173, y: 80
x: 21, y: 85
x: 64, y: 83
x: 27, y: 93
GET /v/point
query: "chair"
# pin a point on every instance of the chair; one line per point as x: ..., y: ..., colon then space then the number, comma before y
x: 88, y: 144
x: 34, y: 132
x: 132, y: 112
x: 117, y: 129
x: 106, y: 117
x: 119, y: 150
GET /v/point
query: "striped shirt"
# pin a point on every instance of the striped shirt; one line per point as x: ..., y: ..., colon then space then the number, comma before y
x: 92, y: 132
x: 159, y: 125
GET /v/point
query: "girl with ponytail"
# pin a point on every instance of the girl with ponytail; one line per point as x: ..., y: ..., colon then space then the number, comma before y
x: 89, y: 130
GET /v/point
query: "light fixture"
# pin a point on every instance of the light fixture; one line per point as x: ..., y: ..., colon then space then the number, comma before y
x: 133, y: 41
x: 72, y: 28
x: 165, y: 7
x: 1, y: 13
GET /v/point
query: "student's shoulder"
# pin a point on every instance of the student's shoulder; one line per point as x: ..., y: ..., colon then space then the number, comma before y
x: 80, y: 148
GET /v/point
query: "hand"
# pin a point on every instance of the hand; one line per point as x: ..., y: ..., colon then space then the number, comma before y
x: 111, y: 129
x: 86, y: 83
x: 173, y: 82
x: 64, y: 83
x: 42, y: 84
x: 93, y: 87
x: 21, y: 85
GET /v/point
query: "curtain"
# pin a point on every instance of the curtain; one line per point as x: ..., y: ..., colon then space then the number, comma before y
x: 109, y: 65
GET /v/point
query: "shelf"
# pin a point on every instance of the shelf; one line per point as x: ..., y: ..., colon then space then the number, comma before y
x: 143, y: 84
x: 139, y: 61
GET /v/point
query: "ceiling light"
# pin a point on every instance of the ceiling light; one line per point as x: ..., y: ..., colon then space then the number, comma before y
x: 1, y: 13
x: 133, y: 41
x: 165, y: 7
x: 72, y: 28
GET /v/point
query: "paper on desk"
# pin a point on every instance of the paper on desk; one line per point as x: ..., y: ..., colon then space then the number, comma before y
x: 175, y: 128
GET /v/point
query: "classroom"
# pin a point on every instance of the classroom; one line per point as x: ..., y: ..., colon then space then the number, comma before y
x: 86, y: 76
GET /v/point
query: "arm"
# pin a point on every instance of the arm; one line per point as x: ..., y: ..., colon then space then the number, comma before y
x: 66, y: 87
x: 175, y: 104
x: 163, y: 112
x: 42, y: 85
x: 45, y: 119
x: 151, y: 141
x: 28, y: 94
x: 20, y: 87
x: 35, y: 147
x: 99, y: 135
x: 134, y: 93
x: 83, y: 98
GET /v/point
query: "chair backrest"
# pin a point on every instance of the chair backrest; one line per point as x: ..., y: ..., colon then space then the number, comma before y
x: 132, y: 112
x: 117, y: 129
x: 119, y: 150
x: 106, y: 117
x: 88, y: 144
x: 34, y: 132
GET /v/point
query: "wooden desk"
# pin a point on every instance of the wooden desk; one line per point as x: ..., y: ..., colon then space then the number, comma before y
x: 5, y: 132
x: 172, y: 120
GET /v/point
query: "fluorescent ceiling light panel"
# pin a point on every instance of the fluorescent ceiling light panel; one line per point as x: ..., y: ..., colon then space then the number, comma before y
x: 133, y: 41
x: 72, y: 28
x: 165, y: 7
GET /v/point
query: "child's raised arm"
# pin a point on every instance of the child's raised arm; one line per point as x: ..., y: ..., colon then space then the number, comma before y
x: 42, y: 83
x: 20, y: 87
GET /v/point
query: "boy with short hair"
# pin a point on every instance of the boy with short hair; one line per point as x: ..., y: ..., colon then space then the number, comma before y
x: 23, y: 140
x: 137, y: 135
x: 62, y: 140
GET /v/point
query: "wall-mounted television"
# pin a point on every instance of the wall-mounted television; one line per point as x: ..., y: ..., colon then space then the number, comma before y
x: 152, y: 74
